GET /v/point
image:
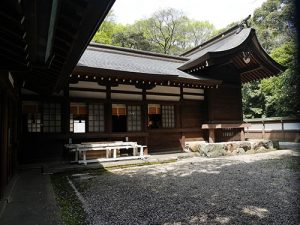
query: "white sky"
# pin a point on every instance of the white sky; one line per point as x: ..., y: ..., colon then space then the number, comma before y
x: 218, y: 12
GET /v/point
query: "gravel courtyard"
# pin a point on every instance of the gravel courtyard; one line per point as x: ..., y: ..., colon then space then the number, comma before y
x: 245, y: 189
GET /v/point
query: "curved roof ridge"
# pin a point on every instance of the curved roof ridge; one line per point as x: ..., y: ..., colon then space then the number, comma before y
x: 229, y: 43
x: 211, y: 41
x: 232, y: 30
x: 130, y: 51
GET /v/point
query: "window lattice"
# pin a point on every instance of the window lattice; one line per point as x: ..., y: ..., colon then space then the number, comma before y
x: 71, y: 123
x: 96, y: 118
x: 34, y: 122
x: 168, y: 117
x: 52, y: 117
x: 134, y: 118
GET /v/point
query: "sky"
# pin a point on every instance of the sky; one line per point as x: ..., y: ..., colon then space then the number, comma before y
x: 218, y: 12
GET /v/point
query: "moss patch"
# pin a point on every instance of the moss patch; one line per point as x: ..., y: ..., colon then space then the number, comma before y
x: 99, y: 171
x: 141, y: 164
x: 71, y: 209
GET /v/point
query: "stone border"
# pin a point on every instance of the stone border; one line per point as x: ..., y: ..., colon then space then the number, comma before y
x: 231, y: 148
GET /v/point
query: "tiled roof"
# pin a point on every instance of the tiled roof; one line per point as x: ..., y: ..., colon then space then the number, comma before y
x: 116, y: 58
x: 224, y: 43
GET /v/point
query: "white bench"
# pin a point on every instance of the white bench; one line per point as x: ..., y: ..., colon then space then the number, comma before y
x: 108, y: 147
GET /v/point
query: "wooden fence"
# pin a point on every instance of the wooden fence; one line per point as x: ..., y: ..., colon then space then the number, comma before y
x: 276, y: 129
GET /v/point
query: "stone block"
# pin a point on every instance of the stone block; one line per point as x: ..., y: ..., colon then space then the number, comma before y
x: 246, y: 146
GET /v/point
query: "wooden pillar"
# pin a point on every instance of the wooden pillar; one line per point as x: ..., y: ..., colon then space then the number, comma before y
x: 3, y: 139
x: 180, y: 117
x: 242, y: 134
x: 145, y: 115
x: 66, y: 112
x: 144, y: 111
x: 108, y: 110
x: 282, y: 130
x: 211, y: 135
x: 180, y: 108
x: 263, y: 130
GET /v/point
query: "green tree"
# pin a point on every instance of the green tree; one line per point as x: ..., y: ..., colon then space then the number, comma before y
x: 274, y: 22
x: 194, y: 32
x: 163, y: 29
x: 169, y: 31
x: 130, y: 39
x: 107, y: 29
x: 278, y: 96
x: 253, y: 100
x: 281, y: 92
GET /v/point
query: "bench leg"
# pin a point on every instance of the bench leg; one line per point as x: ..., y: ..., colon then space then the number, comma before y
x: 142, y: 152
x: 76, y: 155
x: 84, y: 158
x: 134, y: 151
x: 115, y: 153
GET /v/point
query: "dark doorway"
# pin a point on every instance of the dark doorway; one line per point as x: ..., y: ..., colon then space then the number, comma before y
x: 119, y: 123
x: 119, y: 118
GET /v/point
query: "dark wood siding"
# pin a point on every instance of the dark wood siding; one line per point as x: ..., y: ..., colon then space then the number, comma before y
x: 225, y: 104
x: 163, y: 141
x: 8, y: 131
x: 193, y: 114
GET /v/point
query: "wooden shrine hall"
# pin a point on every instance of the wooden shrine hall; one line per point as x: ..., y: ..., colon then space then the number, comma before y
x: 56, y: 88
x: 118, y: 94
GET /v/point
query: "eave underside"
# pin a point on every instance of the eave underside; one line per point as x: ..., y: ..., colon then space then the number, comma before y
x: 41, y: 41
x: 115, y: 77
x: 249, y: 60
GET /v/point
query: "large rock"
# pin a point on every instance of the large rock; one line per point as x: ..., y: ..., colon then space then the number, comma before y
x: 211, y: 150
x: 233, y: 148
x: 245, y: 145
x: 262, y: 143
x: 241, y: 150
x: 193, y: 147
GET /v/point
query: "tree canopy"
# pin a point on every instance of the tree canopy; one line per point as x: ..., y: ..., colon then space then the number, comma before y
x: 274, y: 22
x: 167, y: 31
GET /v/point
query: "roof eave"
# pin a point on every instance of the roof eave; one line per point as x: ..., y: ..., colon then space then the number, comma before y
x: 84, y: 70
x: 78, y: 48
x: 280, y: 68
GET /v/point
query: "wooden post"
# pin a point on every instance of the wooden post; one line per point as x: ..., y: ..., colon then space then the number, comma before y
x: 263, y: 130
x: 211, y: 136
x: 144, y: 114
x: 182, y: 142
x: 242, y: 134
x: 4, y: 141
x: 66, y: 112
x: 108, y: 110
x: 282, y: 130
x: 144, y: 111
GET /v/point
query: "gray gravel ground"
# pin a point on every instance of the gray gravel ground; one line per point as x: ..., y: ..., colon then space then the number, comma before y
x: 244, y: 189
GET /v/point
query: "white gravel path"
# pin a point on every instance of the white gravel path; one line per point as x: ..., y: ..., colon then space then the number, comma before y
x: 245, y: 189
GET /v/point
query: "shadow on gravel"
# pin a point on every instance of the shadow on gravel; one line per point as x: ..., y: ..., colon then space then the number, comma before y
x: 218, y: 191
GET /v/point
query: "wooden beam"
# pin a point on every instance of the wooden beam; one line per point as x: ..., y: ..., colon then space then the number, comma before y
x: 251, y: 69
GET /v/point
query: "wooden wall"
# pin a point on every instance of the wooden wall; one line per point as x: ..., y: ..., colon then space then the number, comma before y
x: 225, y: 104
x: 189, y: 116
x: 8, y: 131
x: 193, y: 114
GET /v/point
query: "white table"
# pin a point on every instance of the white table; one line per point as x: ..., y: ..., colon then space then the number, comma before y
x: 108, y: 147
